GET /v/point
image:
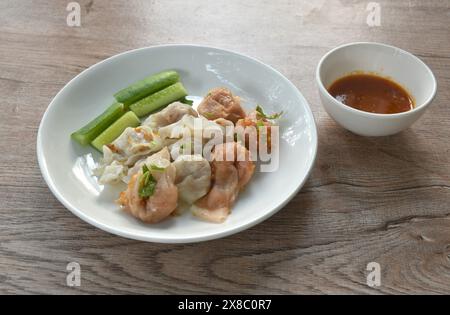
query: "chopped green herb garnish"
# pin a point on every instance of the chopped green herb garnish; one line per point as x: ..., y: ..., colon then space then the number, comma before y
x: 260, y: 111
x: 157, y: 168
x: 184, y: 100
x: 208, y: 115
x: 153, y: 143
x: 147, y: 183
x: 260, y: 124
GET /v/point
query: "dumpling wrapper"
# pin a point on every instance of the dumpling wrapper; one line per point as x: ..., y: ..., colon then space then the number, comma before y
x: 136, y: 142
x: 159, y: 159
x: 169, y: 115
x: 132, y: 145
x: 193, y: 177
x: 191, y: 125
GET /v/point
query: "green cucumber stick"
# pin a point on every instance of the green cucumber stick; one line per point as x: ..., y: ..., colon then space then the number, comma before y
x: 89, y: 132
x: 147, y: 86
x: 115, y: 130
x: 159, y: 99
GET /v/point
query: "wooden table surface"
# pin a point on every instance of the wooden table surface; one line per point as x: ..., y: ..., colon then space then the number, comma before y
x: 384, y: 200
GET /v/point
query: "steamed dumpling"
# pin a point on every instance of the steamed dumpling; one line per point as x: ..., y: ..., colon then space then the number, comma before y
x: 192, y: 135
x: 189, y: 125
x: 186, y: 146
x: 221, y: 103
x: 164, y: 199
x: 158, y: 159
x: 133, y: 144
x: 169, y: 115
x: 110, y: 173
x: 232, y: 170
x: 193, y: 177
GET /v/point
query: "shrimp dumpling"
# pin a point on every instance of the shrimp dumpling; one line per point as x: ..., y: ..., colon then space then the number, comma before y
x: 193, y: 177
x: 221, y: 103
x: 162, y: 202
x: 230, y: 176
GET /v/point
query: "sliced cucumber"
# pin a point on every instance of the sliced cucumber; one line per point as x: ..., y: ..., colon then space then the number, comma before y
x: 147, y: 86
x: 159, y: 99
x: 115, y: 130
x: 89, y: 132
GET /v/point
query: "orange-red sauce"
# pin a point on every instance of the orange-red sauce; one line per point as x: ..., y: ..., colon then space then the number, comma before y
x: 372, y: 93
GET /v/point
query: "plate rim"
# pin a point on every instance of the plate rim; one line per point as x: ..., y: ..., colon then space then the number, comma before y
x: 174, y: 240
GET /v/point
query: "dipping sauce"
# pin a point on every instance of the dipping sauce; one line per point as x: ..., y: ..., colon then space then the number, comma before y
x: 372, y: 93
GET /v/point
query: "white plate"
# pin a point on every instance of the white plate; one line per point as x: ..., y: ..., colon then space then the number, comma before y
x: 64, y: 166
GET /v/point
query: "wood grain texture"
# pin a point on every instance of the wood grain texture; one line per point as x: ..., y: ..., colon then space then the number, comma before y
x: 385, y: 200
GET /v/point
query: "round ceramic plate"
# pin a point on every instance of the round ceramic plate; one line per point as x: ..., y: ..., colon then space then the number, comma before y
x: 66, y: 166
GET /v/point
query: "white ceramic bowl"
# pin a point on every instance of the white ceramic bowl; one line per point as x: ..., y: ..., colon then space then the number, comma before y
x: 387, y: 61
x: 66, y: 166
